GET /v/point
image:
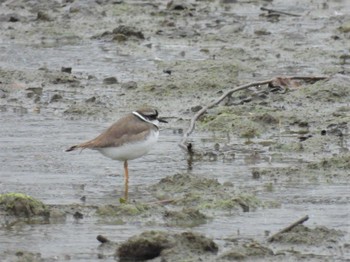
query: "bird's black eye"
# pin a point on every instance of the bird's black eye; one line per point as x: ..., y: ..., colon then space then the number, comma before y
x: 150, y: 114
x: 153, y: 115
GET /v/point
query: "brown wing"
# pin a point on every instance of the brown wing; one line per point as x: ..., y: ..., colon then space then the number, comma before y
x: 125, y: 129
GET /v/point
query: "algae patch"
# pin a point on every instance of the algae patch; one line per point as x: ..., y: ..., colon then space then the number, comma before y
x: 187, y: 217
x: 130, y: 212
x: 341, y: 161
x: 21, y: 205
x: 244, y: 249
x: 246, y: 122
x: 122, y: 210
x: 305, y: 235
x: 203, y: 194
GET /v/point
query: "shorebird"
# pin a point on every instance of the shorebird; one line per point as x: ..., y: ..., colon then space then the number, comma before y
x: 131, y: 137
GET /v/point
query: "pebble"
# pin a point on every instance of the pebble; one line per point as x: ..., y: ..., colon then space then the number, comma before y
x: 110, y: 80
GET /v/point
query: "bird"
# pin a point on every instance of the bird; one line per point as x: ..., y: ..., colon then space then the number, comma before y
x: 131, y: 137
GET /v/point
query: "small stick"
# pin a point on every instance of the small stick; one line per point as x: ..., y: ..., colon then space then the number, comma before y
x: 288, y: 228
x: 188, y: 147
x: 310, y: 78
x: 277, y: 12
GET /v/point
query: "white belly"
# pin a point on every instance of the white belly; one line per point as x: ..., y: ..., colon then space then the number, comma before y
x: 130, y: 151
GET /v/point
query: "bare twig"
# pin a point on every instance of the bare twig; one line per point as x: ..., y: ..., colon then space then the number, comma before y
x: 308, y: 78
x: 188, y: 146
x: 277, y: 12
x: 288, y: 228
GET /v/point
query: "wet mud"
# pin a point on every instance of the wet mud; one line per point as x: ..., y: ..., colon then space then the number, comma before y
x: 263, y: 157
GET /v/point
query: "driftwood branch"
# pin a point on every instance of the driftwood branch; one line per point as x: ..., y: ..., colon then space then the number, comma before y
x: 188, y: 147
x: 288, y: 228
x: 286, y: 81
x: 277, y: 12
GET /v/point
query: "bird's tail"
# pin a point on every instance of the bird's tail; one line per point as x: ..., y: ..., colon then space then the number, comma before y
x: 88, y: 144
x: 72, y: 148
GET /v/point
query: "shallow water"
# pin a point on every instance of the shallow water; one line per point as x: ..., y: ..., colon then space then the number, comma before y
x: 33, y: 162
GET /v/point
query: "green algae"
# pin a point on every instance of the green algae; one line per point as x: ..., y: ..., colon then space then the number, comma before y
x: 341, y: 161
x: 187, y: 217
x: 123, y: 210
x: 22, y: 205
x: 245, y: 122
x: 204, y: 194
x: 309, y: 236
x: 248, y: 249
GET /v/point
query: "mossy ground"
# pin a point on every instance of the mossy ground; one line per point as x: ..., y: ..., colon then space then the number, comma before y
x: 21, y: 205
x: 310, y: 236
x: 204, y: 194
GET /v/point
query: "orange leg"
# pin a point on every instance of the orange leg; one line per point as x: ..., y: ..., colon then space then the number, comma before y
x: 126, y: 177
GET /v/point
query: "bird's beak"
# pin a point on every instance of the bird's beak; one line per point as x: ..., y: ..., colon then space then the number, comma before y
x: 162, y: 120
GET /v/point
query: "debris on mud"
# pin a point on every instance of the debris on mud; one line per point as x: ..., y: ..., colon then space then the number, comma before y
x: 128, y: 31
x: 122, y: 33
x: 123, y: 210
x: 21, y: 205
x: 244, y: 249
x: 197, y: 198
x: 187, y: 217
x: 281, y: 114
x: 169, y: 246
x: 225, y: 118
x: 203, y: 193
x: 341, y: 161
x: 124, y: 213
x: 309, y: 236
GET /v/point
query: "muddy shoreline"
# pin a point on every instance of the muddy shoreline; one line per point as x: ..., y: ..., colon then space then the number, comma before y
x: 264, y: 157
